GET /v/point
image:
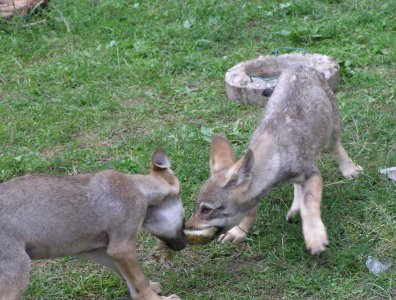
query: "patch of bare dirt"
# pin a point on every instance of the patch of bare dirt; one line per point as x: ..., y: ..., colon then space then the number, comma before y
x: 236, y: 265
x: 133, y: 102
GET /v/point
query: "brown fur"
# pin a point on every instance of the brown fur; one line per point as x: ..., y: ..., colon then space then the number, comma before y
x: 96, y: 216
x: 301, y: 120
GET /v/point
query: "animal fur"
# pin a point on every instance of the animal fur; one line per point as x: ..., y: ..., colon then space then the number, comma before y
x: 301, y: 120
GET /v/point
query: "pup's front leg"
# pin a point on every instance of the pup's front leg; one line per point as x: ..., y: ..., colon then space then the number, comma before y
x: 155, y: 286
x: 124, y: 255
x: 313, y: 228
x: 347, y: 167
x: 238, y: 233
x: 297, y: 200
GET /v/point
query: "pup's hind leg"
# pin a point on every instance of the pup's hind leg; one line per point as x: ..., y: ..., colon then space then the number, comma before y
x: 347, y: 167
x: 297, y: 200
x: 314, y: 231
x: 14, y: 270
x: 238, y: 233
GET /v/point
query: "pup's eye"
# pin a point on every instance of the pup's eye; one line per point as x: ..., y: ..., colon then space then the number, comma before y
x: 205, y: 210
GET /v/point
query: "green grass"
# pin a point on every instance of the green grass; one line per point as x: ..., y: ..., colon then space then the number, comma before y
x: 90, y: 85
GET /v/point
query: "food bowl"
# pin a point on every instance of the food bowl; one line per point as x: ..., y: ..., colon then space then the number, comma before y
x: 246, y: 81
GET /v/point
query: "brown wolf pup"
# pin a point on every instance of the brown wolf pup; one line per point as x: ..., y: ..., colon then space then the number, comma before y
x: 97, y: 216
x: 300, y: 120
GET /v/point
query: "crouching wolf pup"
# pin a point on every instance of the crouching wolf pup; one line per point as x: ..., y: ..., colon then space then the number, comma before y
x: 300, y: 120
x: 96, y: 216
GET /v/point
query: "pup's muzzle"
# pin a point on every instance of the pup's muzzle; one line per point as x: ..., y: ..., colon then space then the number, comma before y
x: 178, y: 243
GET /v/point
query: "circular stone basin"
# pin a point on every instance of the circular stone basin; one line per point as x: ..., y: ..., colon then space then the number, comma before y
x: 246, y: 81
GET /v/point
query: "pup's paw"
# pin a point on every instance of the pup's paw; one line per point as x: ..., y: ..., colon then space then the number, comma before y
x: 171, y: 297
x: 155, y: 286
x: 234, y: 235
x: 315, y: 237
x: 290, y: 215
x: 351, y: 170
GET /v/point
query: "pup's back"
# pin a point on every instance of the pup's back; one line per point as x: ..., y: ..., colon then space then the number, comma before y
x: 48, y: 212
x: 301, y: 113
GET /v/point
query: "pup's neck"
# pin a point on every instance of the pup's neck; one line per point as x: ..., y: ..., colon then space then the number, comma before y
x: 153, y: 188
x: 266, y: 166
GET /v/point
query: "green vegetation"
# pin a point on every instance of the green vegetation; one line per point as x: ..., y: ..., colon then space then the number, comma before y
x: 90, y: 85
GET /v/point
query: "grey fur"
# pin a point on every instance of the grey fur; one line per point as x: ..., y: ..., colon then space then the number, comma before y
x: 301, y: 120
x: 51, y: 216
x: 303, y: 117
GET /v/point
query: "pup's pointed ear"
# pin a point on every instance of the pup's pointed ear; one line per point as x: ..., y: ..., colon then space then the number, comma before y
x: 161, y: 166
x: 243, y: 174
x: 221, y: 154
x: 160, y: 161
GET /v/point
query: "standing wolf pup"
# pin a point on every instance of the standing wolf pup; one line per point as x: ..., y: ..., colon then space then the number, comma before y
x: 97, y: 216
x: 301, y: 119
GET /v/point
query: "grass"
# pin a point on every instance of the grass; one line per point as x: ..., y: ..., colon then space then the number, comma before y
x: 90, y: 85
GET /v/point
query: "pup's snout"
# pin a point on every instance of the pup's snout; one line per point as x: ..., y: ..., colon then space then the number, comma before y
x: 193, y: 223
x: 178, y: 243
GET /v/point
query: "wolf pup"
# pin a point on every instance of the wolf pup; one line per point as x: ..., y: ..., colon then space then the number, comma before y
x: 300, y: 120
x: 96, y: 216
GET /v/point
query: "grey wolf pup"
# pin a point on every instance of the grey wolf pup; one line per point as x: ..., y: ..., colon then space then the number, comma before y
x: 96, y: 216
x: 301, y: 120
